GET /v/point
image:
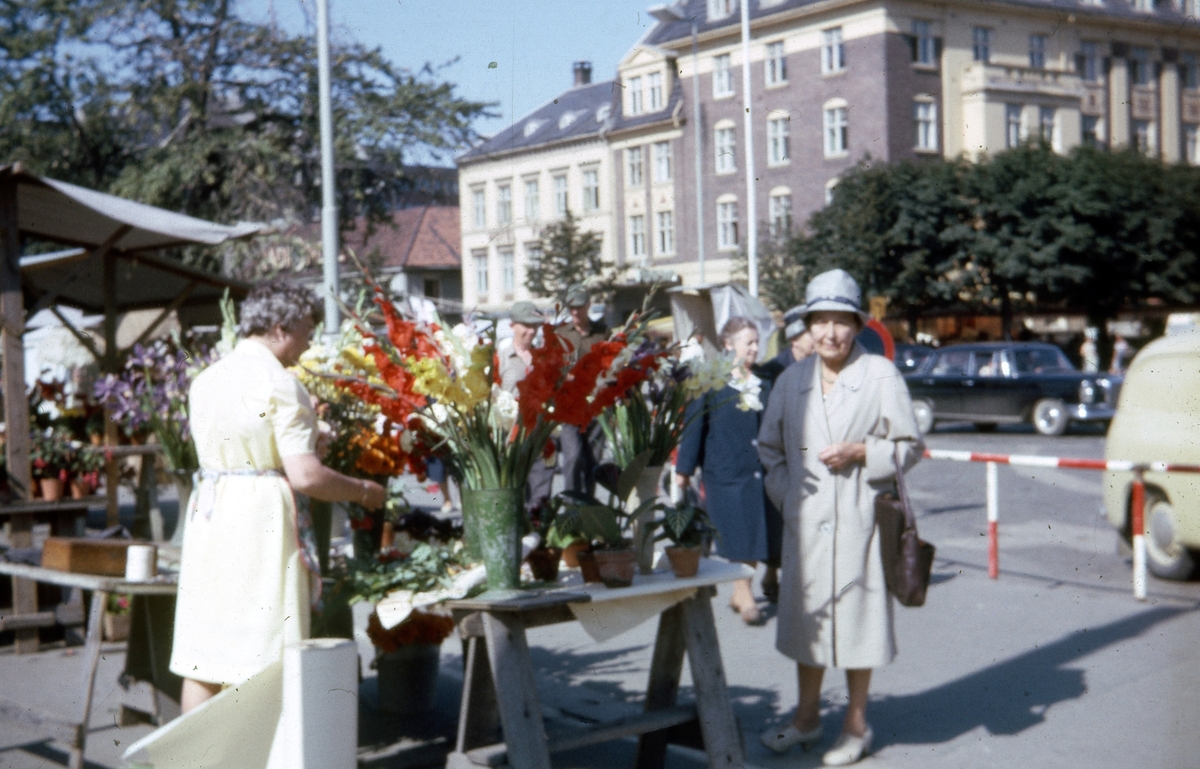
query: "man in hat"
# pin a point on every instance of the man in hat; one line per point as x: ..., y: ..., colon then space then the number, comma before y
x: 799, y: 345
x: 514, y: 366
x: 580, y: 448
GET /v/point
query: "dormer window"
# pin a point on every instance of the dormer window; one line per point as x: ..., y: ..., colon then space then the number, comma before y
x: 635, y: 96
x: 719, y: 9
x: 531, y: 127
x: 654, y: 83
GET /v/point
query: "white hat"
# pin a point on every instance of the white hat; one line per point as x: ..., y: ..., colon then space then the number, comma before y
x: 834, y: 291
x: 793, y: 322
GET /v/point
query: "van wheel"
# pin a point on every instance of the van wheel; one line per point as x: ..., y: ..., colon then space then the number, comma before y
x: 1166, y: 557
x: 1050, y: 416
x: 923, y: 411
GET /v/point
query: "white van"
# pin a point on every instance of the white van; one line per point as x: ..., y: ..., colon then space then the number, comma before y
x: 1158, y: 420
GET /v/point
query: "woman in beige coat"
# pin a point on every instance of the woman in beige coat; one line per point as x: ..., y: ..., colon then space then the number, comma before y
x: 831, y: 428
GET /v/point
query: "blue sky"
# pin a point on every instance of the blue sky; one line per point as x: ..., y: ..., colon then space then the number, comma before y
x: 532, y: 42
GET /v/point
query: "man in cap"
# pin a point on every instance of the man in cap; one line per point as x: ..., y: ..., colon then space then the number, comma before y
x: 580, y: 448
x: 799, y: 345
x: 514, y: 366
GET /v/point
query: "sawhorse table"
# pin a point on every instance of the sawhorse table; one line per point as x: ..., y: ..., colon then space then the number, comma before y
x: 500, y: 694
x: 73, y: 732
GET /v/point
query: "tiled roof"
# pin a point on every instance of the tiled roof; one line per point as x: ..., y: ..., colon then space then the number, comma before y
x: 426, y: 237
x: 1166, y: 12
x: 578, y: 113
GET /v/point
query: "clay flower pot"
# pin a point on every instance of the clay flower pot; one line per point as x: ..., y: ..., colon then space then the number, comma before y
x: 616, y: 567
x: 685, y: 561
x: 588, y: 567
x: 543, y: 562
x: 52, y: 489
x: 79, y: 488
x: 570, y: 555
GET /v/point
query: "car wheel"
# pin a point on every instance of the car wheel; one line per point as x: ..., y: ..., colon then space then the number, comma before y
x: 1050, y: 416
x: 985, y: 427
x: 1165, y: 556
x: 923, y: 411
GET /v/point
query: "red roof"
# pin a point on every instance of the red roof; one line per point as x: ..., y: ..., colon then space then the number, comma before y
x: 427, y: 237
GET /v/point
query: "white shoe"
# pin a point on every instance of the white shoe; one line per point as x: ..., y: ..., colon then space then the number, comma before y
x: 782, y: 739
x: 849, y: 749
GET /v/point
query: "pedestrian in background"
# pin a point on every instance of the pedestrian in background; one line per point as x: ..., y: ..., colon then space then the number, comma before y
x: 580, y: 449
x: 720, y: 438
x: 833, y: 427
x: 515, y: 362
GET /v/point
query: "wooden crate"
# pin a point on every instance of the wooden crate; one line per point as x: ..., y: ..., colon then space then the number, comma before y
x: 105, y: 557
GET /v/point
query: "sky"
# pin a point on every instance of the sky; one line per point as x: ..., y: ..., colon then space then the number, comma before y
x: 532, y: 42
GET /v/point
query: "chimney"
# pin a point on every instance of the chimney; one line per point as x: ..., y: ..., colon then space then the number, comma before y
x: 583, y: 72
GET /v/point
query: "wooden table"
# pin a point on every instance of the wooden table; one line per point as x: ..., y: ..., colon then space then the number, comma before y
x: 73, y: 732
x: 500, y: 694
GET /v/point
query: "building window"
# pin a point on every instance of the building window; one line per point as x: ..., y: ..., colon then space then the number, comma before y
x: 1090, y: 125
x: 727, y: 223
x: 1012, y: 125
x: 591, y: 190
x: 925, y: 123
x: 1143, y: 5
x: 777, y: 140
x: 1046, y: 124
x: 508, y: 272
x: 719, y: 9
x: 503, y: 204
x: 635, y: 96
x: 722, y: 76
x: 830, y: 188
x: 665, y: 231
x: 478, y: 207
x: 1089, y: 61
x: 726, y: 149
x: 981, y: 44
x: 833, y: 52
x: 662, y: 161
x: 634, y: 173
x: 655, y: 87
x: 924, y: 44
x: 1142, y: 136
x: 1191, y: 70
x: 1191, y: 143
x: 1037, y: 51
x: 779, y: 212
x: 776, y: 66
x: 533, y: 253
x: 637, y: 235
x: 560, y: 195
x: 533, y: 202
x: 1139, y: 66
x: 481, y: 274
x: 837, y: 131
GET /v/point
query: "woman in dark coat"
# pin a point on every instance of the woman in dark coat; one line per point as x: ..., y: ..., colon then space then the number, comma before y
x: 722, y: 438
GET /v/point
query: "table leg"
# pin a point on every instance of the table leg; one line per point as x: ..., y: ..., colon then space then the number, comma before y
x: 91, y: 661
x: 478, y: 718
x: 665, y: 668
x: 722, y: 737
x: 516, y: 691
x: 24, y: 590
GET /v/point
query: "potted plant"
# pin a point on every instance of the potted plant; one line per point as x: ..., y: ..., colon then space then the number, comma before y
x: 407, y: 660
x: 686, y: 527
x: 116, y: 617
x: 50, y: 457
x: 85, y: 472
x: 545, y: 522
x: 606, y: 524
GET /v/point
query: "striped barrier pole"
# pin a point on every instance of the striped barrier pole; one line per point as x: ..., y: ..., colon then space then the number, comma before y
x: 1137, y: 527
x: 993, y: 518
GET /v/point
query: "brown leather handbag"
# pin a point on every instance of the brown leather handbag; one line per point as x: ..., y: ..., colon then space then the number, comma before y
x: 907, y: 559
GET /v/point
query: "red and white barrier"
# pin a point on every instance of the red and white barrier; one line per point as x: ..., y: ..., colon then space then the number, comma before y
x: 1138, y: 501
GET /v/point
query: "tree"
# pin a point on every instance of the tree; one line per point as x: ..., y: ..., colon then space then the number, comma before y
x: 570, y: 257
x: 184, y: 105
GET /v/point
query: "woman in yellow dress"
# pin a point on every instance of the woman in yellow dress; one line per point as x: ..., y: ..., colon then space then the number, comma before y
x: 246, y: 578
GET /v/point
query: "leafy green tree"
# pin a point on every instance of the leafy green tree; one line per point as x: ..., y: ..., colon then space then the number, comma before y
x: 570, y: 256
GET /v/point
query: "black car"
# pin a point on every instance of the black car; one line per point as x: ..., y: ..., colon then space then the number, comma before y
x: 1011, y: 382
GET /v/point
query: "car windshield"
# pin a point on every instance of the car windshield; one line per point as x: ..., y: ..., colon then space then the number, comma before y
x: 910, y: 358
x: 1041, y: 360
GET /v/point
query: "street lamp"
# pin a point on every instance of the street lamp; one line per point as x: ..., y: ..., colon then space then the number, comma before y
x: 329, y: 215
x: 665, y: 14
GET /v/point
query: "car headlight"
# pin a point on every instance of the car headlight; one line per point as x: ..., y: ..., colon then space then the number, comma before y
x: 1087, y: 391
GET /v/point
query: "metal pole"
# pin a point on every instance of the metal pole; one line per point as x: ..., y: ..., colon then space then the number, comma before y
x: 751, y: 228
x: 993, y: 517
x: 329, y: 212
x: 698, y: 132
x: 1138, y: 530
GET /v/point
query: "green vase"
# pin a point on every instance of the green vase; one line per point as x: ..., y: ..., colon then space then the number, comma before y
x: 492, y: 521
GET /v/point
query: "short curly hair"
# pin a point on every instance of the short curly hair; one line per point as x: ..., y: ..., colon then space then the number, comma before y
x: 733, y: 326
x: 277, y: 302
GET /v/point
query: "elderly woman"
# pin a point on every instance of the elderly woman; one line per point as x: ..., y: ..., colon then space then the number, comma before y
x: 832, y: 428
x: 720, y: 438
x: 246, y: 580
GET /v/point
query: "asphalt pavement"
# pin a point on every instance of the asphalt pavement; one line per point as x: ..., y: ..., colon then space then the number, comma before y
x: 1054, y: 664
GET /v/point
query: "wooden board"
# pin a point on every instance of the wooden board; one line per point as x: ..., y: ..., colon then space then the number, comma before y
x: 78, y: 555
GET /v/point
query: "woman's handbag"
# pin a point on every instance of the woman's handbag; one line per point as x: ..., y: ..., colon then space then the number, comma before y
x: 907, y: 559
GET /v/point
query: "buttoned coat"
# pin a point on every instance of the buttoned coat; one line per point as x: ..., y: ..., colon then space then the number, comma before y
x: 834, y: 608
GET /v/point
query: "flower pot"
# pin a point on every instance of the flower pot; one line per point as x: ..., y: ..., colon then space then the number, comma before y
x: 616, y: 567
x: 587, y: 566
x: 116, y: 627
x: 408, y: 678
x: 52, y: 489
x: 685, y: 561
x: 79, y: 488
x: 570, y: 554
x: 543, y: 562
x: 643, y: 539
x: 492, y: 521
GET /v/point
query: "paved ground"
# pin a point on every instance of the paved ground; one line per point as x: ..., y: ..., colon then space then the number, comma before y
x: 1052, y: 665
